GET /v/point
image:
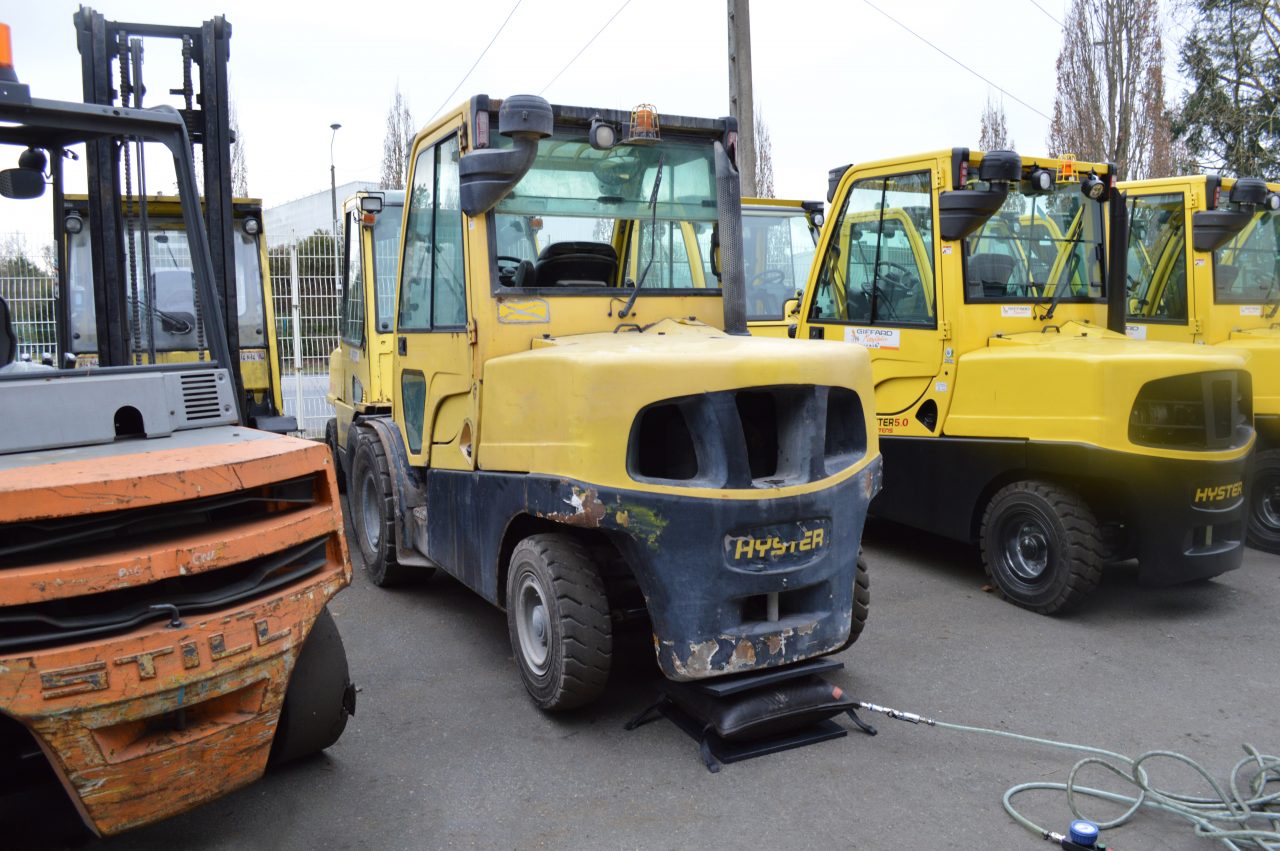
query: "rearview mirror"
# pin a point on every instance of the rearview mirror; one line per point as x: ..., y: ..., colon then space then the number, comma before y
x: 791, y: 307
x: 21, y: 183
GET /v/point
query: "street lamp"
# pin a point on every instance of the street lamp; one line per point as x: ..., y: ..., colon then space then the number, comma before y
x: 333, y: 182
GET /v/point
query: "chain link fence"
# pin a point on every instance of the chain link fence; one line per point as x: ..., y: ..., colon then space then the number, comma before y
x: 305, y: 297
x: 305, y: 293
x: 29, y: 285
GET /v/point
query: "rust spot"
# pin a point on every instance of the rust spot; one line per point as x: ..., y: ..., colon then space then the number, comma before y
x: 744, y: 656
x: 588, y: 511
x: 776, y: 643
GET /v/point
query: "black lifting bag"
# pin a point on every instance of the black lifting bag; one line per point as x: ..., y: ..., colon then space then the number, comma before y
x: 762, y: 712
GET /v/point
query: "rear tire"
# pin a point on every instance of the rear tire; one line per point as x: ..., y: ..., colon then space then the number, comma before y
x: 316, y: 703
x: 372, y: 504
x: 1041, y: 546
x: 1264, y: 501
x: 331, y: 438
x: 861, y: 605
x: 558, y: 621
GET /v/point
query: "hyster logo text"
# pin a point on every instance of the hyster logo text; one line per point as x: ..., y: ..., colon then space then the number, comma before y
x: 748, y: 547
x: 1219, y: 493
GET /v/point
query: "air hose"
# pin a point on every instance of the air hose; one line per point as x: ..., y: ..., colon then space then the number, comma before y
x: 1239, y: 817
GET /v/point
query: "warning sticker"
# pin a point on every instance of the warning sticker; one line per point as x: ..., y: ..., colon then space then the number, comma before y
x: 1135, y: 332
x: 1015, y: 311
x: 1250, y: 310
x: 874, y: 338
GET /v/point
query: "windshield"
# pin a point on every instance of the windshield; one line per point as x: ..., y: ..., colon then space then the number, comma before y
x: 170, y: 288
x: 777, y: 250
x: 1246, y: 269
x: 582, y: 217
x: 1033, y: 245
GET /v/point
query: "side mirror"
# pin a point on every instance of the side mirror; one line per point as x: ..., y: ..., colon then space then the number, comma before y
x: 791, y: 307
x: 487, y: 175
x: 1213, y: 229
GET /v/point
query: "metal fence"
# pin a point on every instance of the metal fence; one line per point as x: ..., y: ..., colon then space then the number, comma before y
x: 305, y: 296
x: 29, y: 285
x: 305, y: 292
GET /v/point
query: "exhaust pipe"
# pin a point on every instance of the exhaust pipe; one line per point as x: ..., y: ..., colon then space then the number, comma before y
x: 733, y: 282
x: 1117, y: 260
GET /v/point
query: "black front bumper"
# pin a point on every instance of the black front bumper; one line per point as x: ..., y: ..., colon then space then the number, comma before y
x: 705, y: 566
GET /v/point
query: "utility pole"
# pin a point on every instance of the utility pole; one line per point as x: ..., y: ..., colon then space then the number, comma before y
x: 740, y: 106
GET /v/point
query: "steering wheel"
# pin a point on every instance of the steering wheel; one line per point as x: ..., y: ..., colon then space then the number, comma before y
x: 509, y: 274
x: 899, y: 282
x: 770, y: 281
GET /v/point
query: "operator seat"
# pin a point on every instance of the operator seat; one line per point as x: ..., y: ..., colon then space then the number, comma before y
x: 991, y: 272
x: 577, y: 264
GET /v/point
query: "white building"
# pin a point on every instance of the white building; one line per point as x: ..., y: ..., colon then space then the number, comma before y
x: 304, y: 216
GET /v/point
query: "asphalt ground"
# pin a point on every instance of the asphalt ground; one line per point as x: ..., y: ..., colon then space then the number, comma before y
x: 446, y: 750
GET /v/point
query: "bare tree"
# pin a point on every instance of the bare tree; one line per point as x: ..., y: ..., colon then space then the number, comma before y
x: 1110, y: 100
x: 993, y: 132
x: 239, y: 167
x: 764, y: 158
x: 397, y: 144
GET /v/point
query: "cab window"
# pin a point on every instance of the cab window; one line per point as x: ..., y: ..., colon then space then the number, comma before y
x: 878, y: 268
x: 353, y: 286
x: 1156, y: 273
x: 1247, y: 269
x: 777, y: 252
x: 433, y: 289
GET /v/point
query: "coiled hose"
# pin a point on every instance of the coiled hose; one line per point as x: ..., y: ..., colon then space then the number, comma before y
x: 1240, y: 817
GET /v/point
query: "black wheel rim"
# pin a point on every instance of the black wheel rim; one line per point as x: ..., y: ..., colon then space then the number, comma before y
x: 1025, y: 547
x: 1268, y: 511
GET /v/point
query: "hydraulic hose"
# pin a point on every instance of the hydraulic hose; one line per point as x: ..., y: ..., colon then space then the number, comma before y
x: 1241, y: 816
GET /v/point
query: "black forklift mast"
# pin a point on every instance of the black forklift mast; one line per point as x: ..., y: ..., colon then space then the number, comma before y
x: 207, y: 116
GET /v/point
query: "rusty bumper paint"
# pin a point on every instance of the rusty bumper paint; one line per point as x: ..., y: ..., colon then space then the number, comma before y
x: 159, y: 720
x: 712, y: 571
x: 145, y: 722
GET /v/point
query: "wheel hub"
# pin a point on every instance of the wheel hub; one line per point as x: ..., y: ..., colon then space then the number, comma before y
x: 533, y: 626
x: 1027, y: 550
x: 370, y: 517
x: 1271, y: 504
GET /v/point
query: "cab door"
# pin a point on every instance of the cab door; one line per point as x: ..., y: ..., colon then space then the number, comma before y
x: 433, y: 358
x: 1159, y: 304
x: 876, y: 284
x: 349, y: 373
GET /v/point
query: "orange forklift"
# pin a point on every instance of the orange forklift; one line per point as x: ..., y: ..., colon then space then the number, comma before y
x: 164, y: 570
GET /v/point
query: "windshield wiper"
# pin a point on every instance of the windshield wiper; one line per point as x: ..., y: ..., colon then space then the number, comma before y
x: 653, y: 239
x: 1064, y: 281
x: 1272, y: 298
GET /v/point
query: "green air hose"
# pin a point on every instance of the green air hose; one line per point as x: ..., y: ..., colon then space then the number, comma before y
x: 1237, y: 818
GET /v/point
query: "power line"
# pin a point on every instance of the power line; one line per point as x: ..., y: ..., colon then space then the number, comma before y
x: 989, y: 82
x: 624, y: 5
x: 1047, y: 15
x: 477, y: 62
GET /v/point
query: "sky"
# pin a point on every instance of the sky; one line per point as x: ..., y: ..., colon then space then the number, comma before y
x: 836, y: 82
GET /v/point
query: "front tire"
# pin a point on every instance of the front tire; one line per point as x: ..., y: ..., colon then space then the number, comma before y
x: 319, y: 697
x: 558, y: 621
x: 372, y: 504
x: 1264, y: 501
x: 1042, y: 546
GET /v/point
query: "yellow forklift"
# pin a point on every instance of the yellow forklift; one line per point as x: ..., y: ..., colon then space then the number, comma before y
x: 1220, y: 287
x: 360, y: 367
x: 779, y: 237
x: 1012, y: 410
x: 589, y: 442
x: 159, y: 275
